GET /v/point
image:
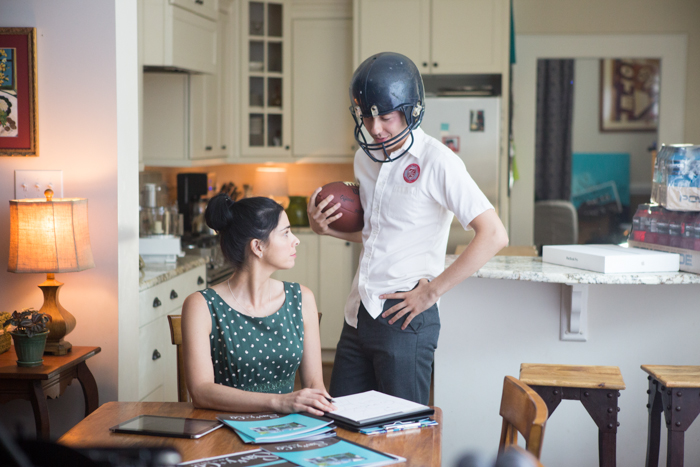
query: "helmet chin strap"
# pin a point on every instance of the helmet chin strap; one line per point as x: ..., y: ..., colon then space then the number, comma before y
x: 367, y: 147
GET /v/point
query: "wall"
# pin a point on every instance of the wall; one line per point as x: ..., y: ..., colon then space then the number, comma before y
x: 78, y: 117
x: 595, y: 20
x: 587, y: 137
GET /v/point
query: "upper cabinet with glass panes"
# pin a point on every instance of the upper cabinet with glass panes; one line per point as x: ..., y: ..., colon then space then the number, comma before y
x: 265, y: 83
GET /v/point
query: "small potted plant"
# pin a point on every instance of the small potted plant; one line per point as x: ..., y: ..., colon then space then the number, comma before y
x: 29, y: 332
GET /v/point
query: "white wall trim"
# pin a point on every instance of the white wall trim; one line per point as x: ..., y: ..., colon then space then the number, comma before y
x: 127, y: 194
x: 671, y: 48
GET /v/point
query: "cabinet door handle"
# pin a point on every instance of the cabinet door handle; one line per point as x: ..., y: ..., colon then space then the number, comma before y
x: 199, y: 2
x: 223, y: 146
x: 156, y: 355
x: 435, y: 64
x: 173, y: 294
x: 347, y: 243
x: 425, y: 64
x: 207, y: 148
x: 287, y: 147
x: 156, y: 302
x: 200, y: 281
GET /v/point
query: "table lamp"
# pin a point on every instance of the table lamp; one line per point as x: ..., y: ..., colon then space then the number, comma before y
x: 271, y: 182
x: 50, y: 236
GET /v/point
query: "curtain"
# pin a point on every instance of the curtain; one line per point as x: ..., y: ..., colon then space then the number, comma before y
x: 555, y: 108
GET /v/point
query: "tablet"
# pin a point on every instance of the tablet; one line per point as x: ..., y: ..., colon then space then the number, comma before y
x: 177, y: 427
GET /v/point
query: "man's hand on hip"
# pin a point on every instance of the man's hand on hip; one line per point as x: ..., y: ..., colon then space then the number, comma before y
x: 414, y: 302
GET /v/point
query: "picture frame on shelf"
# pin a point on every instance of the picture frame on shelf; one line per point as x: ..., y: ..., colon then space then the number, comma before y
x: 19, y: 134
x: 629, y: 94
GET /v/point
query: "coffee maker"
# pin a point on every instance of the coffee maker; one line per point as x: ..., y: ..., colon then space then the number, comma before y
x: 192, y: 202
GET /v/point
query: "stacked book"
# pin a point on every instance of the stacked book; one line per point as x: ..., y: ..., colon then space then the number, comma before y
x: 277, y: 428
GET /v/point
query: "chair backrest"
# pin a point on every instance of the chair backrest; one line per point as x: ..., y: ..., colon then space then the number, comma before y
x: 524, y: 411
x: 175, y: 322
x: 556, y: 223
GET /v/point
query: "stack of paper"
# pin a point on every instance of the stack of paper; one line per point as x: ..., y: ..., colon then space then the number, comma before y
x: 373, y: 408
x: 276, y: 428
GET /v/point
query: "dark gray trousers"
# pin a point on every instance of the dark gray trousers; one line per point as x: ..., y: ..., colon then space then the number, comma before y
x: 384, y: 358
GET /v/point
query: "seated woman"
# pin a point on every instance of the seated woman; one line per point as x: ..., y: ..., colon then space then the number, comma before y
x: 244, y: 339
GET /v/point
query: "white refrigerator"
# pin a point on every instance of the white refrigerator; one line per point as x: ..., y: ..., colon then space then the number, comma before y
x: 470, y: 126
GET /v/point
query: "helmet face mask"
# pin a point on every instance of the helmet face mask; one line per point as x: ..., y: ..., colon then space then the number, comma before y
x: 382, y: 84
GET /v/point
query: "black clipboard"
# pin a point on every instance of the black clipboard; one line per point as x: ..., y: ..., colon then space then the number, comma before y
x: 176, y: 427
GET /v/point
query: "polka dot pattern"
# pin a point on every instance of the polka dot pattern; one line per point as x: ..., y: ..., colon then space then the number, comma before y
x: 257, y: 354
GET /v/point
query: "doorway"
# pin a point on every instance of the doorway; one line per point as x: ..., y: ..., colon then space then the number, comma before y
x: 671, y: 49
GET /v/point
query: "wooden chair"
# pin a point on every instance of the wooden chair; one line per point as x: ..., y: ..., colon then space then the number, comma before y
x: 597, y: 387
x: 175, y: 322
x: 673, y: 390
x: 524, y: 411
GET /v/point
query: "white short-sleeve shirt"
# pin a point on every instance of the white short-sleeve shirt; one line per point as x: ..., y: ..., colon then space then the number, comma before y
x: 408, y: 206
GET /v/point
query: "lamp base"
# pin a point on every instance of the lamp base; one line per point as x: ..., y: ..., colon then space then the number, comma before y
x: 62, y: 322
x: 58, y: 348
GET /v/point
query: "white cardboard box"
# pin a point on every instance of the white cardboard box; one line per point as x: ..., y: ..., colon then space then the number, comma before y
x: 160, y: 248
x: 610, y: 258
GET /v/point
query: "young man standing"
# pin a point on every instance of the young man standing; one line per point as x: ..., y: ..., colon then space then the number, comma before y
x: 410, y: 187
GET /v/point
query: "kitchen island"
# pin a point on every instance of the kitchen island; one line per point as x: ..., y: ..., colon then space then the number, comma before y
x: 518, y: 310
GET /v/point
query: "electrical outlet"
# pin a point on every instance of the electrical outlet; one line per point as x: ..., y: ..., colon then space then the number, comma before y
x: 32, y: 183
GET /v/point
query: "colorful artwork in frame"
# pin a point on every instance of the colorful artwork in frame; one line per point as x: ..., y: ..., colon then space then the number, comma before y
x: 18, y: 92
x: 629, y: 94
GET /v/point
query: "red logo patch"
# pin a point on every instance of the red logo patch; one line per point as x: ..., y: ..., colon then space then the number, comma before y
x: 411, y: 173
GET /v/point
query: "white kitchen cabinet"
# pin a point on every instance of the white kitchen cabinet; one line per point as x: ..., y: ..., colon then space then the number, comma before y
x: 326, y: 265
x: 180, y: 34
x: 338, y: 260
x: 305, y: 270
x: 210, y: 97
x: 439, y: 36
x: 157, y: 358
x: 321, y: 70
x: 265, y: 109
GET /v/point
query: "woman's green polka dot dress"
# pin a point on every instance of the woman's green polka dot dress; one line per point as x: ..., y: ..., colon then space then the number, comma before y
x: 257, y: 354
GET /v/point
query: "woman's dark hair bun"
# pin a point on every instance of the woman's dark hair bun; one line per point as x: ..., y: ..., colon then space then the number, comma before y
x: 240, y: 222
x: 218, y: 214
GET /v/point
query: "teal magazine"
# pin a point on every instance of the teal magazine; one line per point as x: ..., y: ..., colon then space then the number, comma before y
x: 254, y: 458
x: 332, y: 452
x: 275, y: 428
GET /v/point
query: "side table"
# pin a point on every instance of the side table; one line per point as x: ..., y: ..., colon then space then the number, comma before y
x: 48, y: 380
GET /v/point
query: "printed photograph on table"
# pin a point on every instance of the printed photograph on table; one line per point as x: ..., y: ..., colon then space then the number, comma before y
x: 629, y: 94
x: 18, y: 93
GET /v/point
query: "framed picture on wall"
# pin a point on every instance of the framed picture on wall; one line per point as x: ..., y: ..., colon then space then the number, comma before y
x: 18, y: 93
x: 629, y: 94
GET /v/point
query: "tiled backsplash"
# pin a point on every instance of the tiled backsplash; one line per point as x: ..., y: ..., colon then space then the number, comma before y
x: 303, y: 179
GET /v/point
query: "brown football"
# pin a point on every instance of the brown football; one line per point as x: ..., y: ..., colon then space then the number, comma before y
x: 348, y: 195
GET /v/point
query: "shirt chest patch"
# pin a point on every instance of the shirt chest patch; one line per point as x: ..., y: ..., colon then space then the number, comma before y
x: 411, y: 173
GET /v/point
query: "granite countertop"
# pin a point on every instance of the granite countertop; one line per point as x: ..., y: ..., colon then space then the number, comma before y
x: 527, y: 268
x: 154, y: 274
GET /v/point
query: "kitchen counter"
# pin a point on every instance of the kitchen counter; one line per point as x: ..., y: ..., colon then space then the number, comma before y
x: 489, y: 326
x: 526, y: 268
x: 154, y: 274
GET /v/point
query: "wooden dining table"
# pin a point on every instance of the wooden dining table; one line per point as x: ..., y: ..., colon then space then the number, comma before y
x: 420, y: 447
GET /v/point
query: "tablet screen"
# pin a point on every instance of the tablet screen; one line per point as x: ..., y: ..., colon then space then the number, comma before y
x: 167, y: 426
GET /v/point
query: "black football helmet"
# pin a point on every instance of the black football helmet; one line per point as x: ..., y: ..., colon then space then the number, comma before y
x: 383, y: 83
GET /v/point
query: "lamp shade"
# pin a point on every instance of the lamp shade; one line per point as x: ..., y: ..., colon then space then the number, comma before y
x: 49, y: 236
x: 270, y: 181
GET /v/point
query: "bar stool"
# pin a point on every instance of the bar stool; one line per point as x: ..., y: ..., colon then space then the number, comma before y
x: 672, y: 389
x: 597, y: 387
